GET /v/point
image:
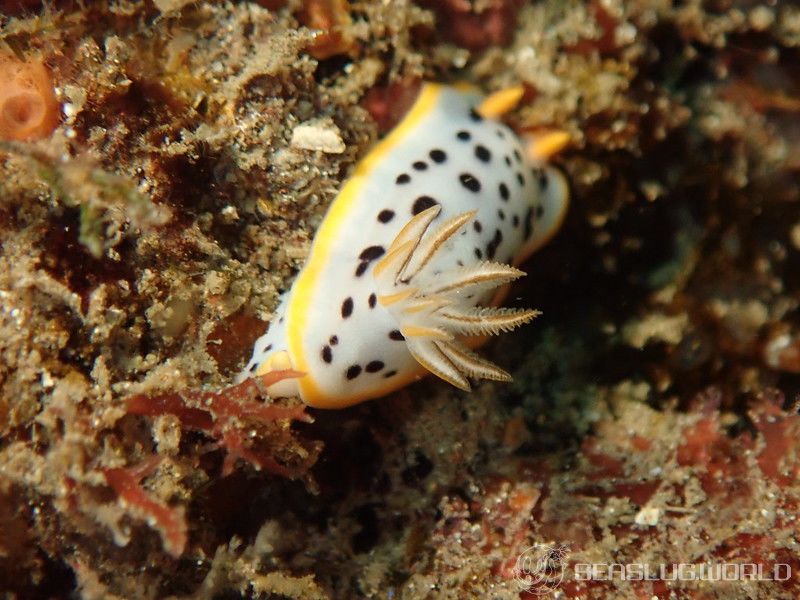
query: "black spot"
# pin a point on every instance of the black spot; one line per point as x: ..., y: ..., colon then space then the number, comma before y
x: 507, y: 160
x: 470, y: 182
x: 482, y: 154
x: 517, y: 155
x: 361, y: 268
x: 491, y: 247
x: 280, y: 319
x: 501, y: 215
x: 368, y: 255
x: 390, y: 374
x: 385, y: 215
x: 504, y: 193
x: 327, y: 355
x: 347, y: 307
x: 374, y: 366
x: 371, y: 253
x: 353, y: 371
x: 478, y: 253
x: 460, y: 262
x: 476, y: 225
x: 253, y: 367
x: 528, y: 223
x: 541, y: 178
x: 438, y: 156
x: 402, y: 178
x: 420, y: 165
x: 333, y: 340
x: 464, y: 136
x: 372, y: 300
x: 395, y: 335
x: 520, y: 179
x: 267, y: 348
x: 539, y: 211
x: 422, y: 203
x: 515, y: 221
x: 473, y: 114
x: 501, y: 134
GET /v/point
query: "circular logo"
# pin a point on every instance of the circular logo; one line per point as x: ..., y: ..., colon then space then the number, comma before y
x: 540, y: 568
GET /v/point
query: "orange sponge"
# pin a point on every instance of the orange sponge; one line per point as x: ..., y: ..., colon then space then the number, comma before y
x: 28, y: 106
x: 332, y: 17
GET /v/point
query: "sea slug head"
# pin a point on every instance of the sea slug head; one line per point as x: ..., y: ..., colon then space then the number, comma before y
x: 271, y: 355
x: 275, y: 362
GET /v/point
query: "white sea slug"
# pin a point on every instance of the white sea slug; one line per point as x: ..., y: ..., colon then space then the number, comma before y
x: 403, y: 271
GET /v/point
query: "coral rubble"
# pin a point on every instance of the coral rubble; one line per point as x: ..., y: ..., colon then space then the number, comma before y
x: 150, y: 222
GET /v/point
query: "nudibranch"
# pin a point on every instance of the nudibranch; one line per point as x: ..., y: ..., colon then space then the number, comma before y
x: 403, y: 272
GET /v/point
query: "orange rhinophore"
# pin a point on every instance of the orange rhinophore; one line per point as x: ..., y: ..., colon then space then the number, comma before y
x: 28, y: 106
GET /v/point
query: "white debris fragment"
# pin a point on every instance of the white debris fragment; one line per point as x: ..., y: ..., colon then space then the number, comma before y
x: 656, y: 327
x: 320, y: 135
x: 648, y: 515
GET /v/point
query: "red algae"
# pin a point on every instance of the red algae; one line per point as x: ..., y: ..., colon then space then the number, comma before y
x: 170, y: 522
x: 232, y: 340
x: 29, y: 110
x: 388, y: 104
x: 224, y: 415
x: 778, y: 458
x: 477, y: 26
